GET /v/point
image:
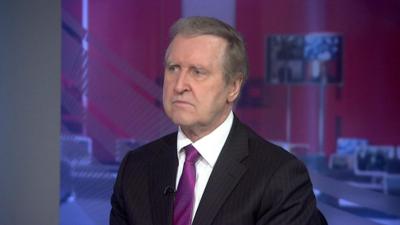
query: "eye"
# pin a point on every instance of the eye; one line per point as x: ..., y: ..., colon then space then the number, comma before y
x: 173, y: 68
x: 198, y: 71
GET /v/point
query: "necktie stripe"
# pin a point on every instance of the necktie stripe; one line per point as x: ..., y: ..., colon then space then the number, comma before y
x: 184, y: 198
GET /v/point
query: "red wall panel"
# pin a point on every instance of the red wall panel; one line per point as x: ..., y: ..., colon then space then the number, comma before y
x: 368, y: 103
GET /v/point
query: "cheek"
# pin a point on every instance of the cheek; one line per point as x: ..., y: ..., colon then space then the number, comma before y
x: 166, y: 88
x: 212, y: 100
x: 166, y: 95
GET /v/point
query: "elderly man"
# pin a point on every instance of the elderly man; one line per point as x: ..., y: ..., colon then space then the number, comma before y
x: 214, y: 170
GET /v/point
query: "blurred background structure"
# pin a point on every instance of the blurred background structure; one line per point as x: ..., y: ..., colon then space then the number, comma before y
x: 30, y: 66
x: 324, y: 84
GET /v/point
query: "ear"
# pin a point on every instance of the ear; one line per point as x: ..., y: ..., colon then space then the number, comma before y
x: 234, y: 89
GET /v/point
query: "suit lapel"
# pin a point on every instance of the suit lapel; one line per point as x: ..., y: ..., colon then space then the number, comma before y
x: 226, y: 173
x: 162, y: 176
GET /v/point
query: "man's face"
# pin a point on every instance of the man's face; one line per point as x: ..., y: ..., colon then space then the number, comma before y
x: 196, y: 95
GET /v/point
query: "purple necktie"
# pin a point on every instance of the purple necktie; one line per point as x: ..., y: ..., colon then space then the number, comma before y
x: 184, y: 198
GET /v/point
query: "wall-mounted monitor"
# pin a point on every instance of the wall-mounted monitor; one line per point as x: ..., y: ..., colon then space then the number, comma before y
x: 309, y: 58
x: 373, y: 160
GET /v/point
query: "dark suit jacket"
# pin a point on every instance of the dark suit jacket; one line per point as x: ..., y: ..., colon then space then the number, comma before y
x: 253, y: 183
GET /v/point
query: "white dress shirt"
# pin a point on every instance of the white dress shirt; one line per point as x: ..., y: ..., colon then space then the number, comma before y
x: 209, y: 147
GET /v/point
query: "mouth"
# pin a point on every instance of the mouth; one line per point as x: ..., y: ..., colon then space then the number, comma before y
x: 181, y: 103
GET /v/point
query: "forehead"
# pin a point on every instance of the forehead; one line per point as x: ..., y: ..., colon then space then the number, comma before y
x: 197, y: 48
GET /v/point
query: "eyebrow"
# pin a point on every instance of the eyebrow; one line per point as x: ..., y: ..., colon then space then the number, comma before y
x: 198, y: 67
x: 169, y: 63
x: 191, y: 66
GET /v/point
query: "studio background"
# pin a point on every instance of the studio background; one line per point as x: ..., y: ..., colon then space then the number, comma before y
x: 110, y: 76
x: 323, y: 84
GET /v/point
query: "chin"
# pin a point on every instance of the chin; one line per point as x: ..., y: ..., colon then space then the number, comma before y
x: 182, y: 120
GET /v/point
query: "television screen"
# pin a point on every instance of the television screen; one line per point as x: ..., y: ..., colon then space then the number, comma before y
x: 311, y: 58
x: 373, y: 160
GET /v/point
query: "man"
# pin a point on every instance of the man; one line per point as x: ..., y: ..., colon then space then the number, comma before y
x: 214, y: 170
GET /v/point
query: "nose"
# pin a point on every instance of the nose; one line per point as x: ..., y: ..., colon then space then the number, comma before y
x: 181, y: 83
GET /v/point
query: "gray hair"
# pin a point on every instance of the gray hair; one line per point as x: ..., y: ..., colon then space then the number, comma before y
x: 235, y: 58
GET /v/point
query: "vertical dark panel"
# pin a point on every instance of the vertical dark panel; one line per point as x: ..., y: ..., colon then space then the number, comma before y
x: 29, y: 111
x: 338, y: 127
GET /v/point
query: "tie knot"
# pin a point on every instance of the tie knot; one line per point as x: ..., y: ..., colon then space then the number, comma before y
x: 191, y: 154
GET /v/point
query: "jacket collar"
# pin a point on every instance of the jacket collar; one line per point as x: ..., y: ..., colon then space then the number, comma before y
x: 226, y: 174
x: 162, y: 181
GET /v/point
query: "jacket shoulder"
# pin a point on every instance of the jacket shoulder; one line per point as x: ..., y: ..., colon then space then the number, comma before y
x: 263, y: 153
x: 147, y: 152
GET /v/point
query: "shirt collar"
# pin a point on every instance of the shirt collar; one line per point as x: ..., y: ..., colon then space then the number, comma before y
x: 209, y: 146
